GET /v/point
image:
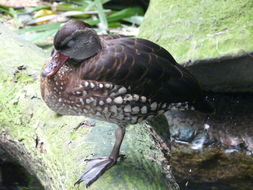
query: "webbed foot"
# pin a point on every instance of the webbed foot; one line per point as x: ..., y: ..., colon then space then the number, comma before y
x: 95, y: 168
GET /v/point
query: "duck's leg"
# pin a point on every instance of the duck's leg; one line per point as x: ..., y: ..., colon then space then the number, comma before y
x: 97, y: 166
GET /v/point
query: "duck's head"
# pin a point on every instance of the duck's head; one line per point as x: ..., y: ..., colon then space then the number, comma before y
x: 74, y: 40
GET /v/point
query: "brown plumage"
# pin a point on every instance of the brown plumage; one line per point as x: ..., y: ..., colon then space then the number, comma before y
x: 117, y: 79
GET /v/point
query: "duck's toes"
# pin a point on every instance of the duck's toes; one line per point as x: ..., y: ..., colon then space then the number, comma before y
x: 95, y: 168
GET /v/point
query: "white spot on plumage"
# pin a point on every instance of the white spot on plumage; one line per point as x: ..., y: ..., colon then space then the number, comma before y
x: 127, y: 118
x: 149, y: 117
x: 86, y: 84
x: 118, y: 100
x: 144, y: 110
x: 92, y: 85
x: 84, y: 93
x: 127, y: 114
x: 88, y: 100
x: 108, y: 100
x: 135, y: 109
x: 113, y: 94
x: 81, y: 100
x: 101, y: 102
x: 143, y: 99
x: 161, y: 111
x: 122, y: 90
x: 60, y: 100
x: 153, y: 106
x: 128, y: 97
x: 101, y: 85
x: 120, y: 116
x: 98, y: 113
x: 113, y: 109
x: 78, y: 92
x: 136, y: 97
x: 107, y: 85
x: 105, y: 109
x: 127, y: 108
x: 94, y: 101
x: 99, y: 109
x: 134, y: 119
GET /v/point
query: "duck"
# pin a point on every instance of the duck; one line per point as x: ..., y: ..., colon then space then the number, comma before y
x: 114, y: 78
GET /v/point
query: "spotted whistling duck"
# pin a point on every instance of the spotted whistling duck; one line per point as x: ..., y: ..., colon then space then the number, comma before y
x: 117, y: 79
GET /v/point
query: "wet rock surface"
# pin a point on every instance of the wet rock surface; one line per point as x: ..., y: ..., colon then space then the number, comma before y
x: 214, y: 151
x: 228, y: 74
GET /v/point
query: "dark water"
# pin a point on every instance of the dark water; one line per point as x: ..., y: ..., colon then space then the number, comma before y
x: 224, y: 161
x: 219, y: 185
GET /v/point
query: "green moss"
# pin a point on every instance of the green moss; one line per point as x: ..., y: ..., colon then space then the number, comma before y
x: 193, y: 30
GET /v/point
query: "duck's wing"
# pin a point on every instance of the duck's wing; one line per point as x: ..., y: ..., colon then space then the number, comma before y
x: 144, y: 68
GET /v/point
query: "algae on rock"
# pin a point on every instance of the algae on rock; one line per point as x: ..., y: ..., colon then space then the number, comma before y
x: 214, y: 38
x: 193, y: 30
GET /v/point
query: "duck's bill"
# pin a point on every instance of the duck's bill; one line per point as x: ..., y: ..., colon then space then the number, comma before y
x: 54, y: 64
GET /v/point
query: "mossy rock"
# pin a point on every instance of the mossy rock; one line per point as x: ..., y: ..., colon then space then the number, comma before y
x: 213, y: 37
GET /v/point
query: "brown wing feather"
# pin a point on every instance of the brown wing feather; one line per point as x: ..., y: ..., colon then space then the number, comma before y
x: 145, y: 67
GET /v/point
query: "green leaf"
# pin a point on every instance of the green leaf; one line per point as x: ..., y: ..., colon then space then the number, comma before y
x: 31, y: 10
x: 134, y: 19
x: 38, y: 36
x: 7, y: 10
x: 42, y: 27
x: 125, y: 13
x: 70, y: 7
x: 101, y: 14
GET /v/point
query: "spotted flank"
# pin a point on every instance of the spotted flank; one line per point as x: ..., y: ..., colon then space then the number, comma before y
x: 113, y: 103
